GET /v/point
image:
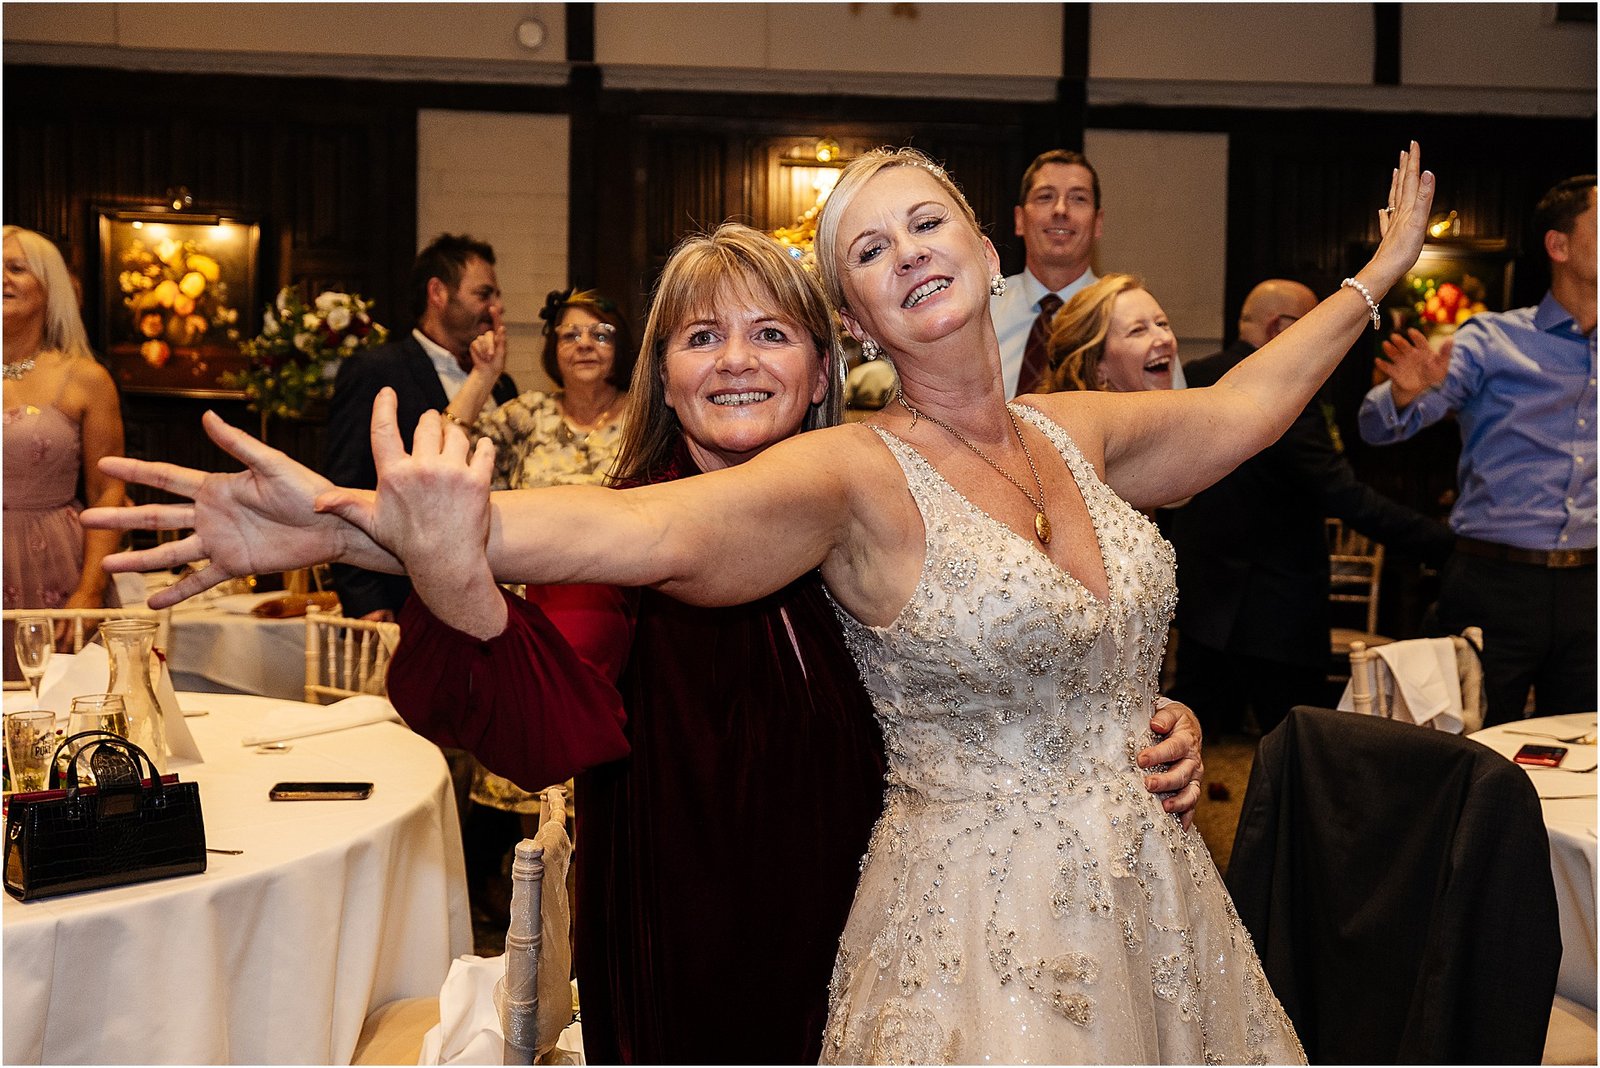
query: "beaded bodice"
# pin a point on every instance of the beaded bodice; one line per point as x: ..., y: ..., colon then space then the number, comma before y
x: 1003, y: 673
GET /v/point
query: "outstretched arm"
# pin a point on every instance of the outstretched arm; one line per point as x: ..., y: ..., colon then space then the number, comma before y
x: 257, y: 520
x: 722, y: 538
x: 1160, y: 446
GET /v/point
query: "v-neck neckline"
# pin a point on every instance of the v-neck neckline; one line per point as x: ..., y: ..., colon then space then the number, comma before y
x: 1094, y: 522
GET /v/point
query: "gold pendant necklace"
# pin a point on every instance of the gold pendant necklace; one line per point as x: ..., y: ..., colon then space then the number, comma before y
x: 1041, y: 522
x: 570, y: 427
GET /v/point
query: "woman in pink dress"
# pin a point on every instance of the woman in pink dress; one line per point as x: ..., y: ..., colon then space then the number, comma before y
x: 61, y: 417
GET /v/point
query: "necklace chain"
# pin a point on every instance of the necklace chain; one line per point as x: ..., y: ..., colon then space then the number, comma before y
x: 1041, y: 524
x: 598, y: 420
x: 16, y: 369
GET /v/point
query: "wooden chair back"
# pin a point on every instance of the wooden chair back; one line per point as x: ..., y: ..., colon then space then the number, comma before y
x: 346, y: 657
x: 1355, y: 566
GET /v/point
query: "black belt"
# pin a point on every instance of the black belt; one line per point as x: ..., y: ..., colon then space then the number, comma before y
x: 1557, y: 558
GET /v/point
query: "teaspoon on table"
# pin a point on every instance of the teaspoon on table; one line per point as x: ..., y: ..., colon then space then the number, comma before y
x: 273, y: 747
x: 1586, y: 738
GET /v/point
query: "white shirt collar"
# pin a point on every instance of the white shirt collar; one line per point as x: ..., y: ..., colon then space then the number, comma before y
x: 1035, y: 290
x: 451, y: 376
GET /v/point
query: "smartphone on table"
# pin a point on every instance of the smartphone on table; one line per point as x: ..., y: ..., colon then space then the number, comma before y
x: 1541, y: 756
x: 320, y: 791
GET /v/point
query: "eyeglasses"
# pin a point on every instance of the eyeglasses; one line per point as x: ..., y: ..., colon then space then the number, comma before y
x: 602, y: 334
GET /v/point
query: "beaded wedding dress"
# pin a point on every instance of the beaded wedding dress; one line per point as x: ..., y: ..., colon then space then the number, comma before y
x: 1024, y: 898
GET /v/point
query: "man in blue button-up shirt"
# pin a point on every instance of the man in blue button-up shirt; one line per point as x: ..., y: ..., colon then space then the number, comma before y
x: 1522, y: 385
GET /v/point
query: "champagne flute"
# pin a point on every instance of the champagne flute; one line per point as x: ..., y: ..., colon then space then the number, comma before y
x: 35, y: 641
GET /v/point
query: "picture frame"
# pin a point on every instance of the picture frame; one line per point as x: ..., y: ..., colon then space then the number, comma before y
x: 1465, y: 275
x: 178, y: 293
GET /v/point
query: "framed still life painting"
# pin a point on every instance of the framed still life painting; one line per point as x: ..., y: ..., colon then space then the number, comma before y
x: 178, y: 294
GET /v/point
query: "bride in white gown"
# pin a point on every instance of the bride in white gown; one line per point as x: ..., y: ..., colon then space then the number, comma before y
x: 1023, y: 899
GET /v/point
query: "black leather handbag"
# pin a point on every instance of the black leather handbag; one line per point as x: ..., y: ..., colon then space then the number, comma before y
x: 131, y: 825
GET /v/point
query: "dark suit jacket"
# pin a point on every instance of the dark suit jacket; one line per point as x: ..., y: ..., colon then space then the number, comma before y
x: 404, y: 366
x: 1252, y: 549
x: 1396, y: 882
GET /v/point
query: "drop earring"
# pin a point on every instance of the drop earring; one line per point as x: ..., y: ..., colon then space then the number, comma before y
x: 870, y: 349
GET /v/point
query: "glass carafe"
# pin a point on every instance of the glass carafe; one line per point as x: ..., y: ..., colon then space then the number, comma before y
x: 129, y: 643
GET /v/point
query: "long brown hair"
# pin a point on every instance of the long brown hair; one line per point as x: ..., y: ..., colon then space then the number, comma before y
x: 697, y: 273
x: 1078, y: 334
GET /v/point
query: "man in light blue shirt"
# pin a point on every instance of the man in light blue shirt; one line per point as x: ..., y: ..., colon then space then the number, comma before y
x: 1522, y: 386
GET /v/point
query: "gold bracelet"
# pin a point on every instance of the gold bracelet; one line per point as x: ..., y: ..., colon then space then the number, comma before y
x: 452, y: 417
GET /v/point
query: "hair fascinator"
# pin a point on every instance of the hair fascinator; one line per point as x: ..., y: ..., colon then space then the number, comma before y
x: 558, y: 300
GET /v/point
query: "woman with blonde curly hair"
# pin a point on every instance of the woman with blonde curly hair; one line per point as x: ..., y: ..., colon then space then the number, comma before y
x: 1112, y: 336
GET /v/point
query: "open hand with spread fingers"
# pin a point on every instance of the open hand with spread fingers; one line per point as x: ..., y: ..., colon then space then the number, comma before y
x: 256, y: 521
x: 1413, y: 365
x: 437, y: 495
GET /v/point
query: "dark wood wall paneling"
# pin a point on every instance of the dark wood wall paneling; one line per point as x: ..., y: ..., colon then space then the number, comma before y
x: 671, y: 164
x: 327, y: 167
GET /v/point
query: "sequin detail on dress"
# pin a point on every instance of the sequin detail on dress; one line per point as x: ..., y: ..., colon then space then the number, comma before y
x: 1024, y: 899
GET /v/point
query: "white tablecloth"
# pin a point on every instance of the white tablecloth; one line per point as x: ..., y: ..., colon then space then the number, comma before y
x: 272, y: 957
x: 213, y: 649
x: 217, y: 646
x: 1569, y: 804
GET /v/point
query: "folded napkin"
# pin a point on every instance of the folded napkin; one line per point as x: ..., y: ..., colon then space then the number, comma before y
x: 291, y: 605
x: 70, y: 674
x: 1418, y: 682
x: 468, y: 1031
x: 301, y: 721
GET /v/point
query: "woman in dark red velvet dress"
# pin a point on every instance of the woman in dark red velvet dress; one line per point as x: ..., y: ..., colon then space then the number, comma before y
x: 731, y: 774
x: 719, y: 861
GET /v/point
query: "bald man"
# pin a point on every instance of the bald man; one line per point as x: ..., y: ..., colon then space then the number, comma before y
x: 1253, y: 556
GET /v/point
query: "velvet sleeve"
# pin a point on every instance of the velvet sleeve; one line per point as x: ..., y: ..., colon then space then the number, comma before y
x: 538, y: 702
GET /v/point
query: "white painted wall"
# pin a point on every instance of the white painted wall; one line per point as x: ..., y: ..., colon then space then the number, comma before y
x: 445, y: 31
x: 1320, y: 43
x: 1476, y: 45
x: 934, y: 38
x: 1510, y: 45
x: 502, y: 178
x: 1166, y: 202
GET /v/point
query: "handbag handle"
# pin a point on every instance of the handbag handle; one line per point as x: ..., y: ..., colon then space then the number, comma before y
x: 103, y: 738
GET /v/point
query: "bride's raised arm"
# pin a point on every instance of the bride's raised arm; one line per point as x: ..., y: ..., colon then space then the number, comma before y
x: 1161, y: 446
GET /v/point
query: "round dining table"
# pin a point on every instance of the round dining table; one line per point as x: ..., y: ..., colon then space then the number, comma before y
x: 319, y: 912
x: 1567, y: 795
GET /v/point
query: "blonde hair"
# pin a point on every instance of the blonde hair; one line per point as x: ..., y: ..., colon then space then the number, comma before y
x: 63, y: 324
x: 700, y: 270
x: 1078, y: 334
x: 851, y: 181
